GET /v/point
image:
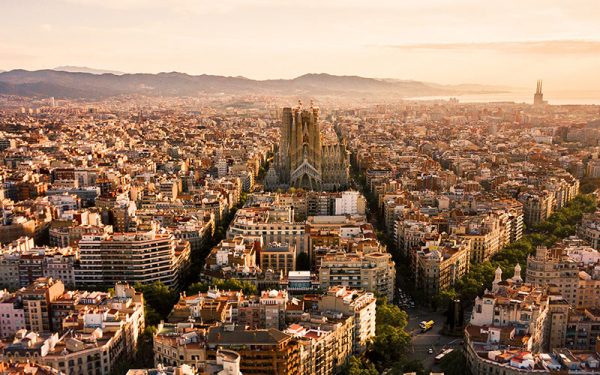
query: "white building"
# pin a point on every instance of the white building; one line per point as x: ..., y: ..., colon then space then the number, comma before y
x: 350, y: 202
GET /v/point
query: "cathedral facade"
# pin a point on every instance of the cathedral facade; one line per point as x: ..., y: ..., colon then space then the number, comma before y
x: 303, y: 161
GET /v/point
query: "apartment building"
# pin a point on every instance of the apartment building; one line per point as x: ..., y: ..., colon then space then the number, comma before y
x: 374, y: 272
x: 90, y: 338
x: 143, y: 257
x: 486, y: 233
x: 356, y: 303
x: 280, y: 258
x: 273, y: 224
x: 440, y: 263
x: 263, y: 351
x: 537, y: 207
x: 37, y: 299
x: 589, y: 229
x: 12, y: 315
x: 326, y: 343
x: 179, y: 344
x: 571, y: 267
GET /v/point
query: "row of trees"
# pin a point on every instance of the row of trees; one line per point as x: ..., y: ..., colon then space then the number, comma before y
x: 559, y: 225
x: 389, y: 350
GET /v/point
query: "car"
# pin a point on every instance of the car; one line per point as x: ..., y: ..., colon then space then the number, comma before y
x: 430, y: 351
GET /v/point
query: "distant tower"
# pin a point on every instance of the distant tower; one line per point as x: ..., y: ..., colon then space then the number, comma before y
x: 538, y: 97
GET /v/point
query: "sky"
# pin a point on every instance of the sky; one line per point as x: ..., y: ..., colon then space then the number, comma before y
x: 508, y: 42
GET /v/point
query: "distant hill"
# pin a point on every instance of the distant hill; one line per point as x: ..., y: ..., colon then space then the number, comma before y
x: 61, y: 84
x: 85, y: 69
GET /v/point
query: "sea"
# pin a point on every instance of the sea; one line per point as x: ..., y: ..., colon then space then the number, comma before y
x: 553, y: 98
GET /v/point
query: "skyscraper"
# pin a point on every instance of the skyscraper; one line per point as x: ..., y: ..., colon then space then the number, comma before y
x: 303, y: 161
x: 538, y: 97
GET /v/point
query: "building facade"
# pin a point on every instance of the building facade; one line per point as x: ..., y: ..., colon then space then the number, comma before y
x: 143, y: 257
x: 304, y: 161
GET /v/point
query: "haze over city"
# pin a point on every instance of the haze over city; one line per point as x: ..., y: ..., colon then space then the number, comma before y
x: 509, y: 43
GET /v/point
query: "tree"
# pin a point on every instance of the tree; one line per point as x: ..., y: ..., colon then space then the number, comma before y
x: 152, y: 317
x: 454, y: 363
x: 391, y: 340
x: 390, y: 315
x: 443, y: 299
x: 159, y: 297
x: 407, y: 365
x: 357, y: 367
x: 389, y: 345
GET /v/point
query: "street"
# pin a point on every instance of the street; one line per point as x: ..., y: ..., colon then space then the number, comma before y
x: 421, y: 342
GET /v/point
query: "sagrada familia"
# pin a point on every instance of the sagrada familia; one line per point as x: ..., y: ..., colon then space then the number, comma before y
x: 302, y: 161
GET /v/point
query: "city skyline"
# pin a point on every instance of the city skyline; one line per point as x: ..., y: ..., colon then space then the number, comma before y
x: 506, y: 43
x: 270, y: 187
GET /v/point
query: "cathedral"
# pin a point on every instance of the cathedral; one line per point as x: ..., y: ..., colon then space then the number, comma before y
x: 303, y: 159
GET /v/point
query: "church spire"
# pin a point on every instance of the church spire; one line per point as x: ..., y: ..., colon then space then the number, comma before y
x: 497, y: 279
x: 517, y: 276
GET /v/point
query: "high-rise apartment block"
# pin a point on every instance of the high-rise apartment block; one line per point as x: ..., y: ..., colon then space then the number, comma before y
x: 143, y: 257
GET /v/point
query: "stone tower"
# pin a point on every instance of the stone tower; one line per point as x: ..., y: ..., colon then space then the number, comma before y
x: 538, y: 97
x: 302, y: 160
x: 497, y: 279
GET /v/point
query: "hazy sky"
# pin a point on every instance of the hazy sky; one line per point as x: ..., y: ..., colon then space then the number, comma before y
x: 508, y: 42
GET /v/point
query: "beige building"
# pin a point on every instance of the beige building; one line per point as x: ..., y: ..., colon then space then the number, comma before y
x: 538, y: 314
x: 37, y: 299
x: 143, y: 257
x: 486, y: 233
x: 280, y: 258
x: 355, y: 303
x: 518, y: 328
x: 589, y: 229
x: 93, y: 352
x: 537, y: 207
x: 273, y: 224
x: 374, y: 272
x: 571, y: 267
x: 326, y: 343
x: 441, y: 263
x: 91, y: 340
x: 178, y: 344
x: 237, y: 253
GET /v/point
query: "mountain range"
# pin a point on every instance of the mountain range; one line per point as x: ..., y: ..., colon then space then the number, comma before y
x: 87, y: 85
x: 85, y: 69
